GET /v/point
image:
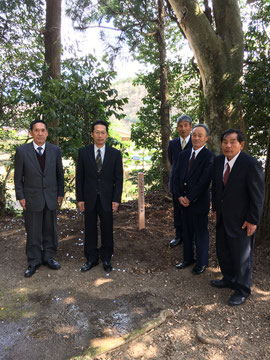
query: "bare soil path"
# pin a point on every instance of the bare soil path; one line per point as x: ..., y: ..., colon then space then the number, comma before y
x: 67, y: 314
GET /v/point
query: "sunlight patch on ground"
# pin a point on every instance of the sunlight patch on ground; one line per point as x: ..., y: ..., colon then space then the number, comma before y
x: 101, y: 281
x: 69, y: 300
x: 143, y: 350
x: 106, y: 343
x: 210, y: 307
x: 67, y: 330
x: 214, y: 270
x: 183, y: 334
x: 262, y: 295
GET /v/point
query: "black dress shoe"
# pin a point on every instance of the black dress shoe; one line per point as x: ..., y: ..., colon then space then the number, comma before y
x: 184, y: 264
x: 89, y: 265
x: 52, y: 264
x: 31, y: 270
x: 198, y: 269
x: 176, y: 241
x: 221, y: 284
x: 237, y: 299
x: 107, y: 266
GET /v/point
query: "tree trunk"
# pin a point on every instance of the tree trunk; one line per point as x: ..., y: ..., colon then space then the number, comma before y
x: 264, y: 229
x: 219, y: 54
x: 164, y: 95
x: 52, y: 39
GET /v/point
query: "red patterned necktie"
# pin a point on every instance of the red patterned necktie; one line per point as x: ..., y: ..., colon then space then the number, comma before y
x: 226, y: 174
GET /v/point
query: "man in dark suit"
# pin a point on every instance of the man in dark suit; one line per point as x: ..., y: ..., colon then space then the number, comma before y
x: 191, y: 186
x: 237, y: 202
x: 99, y: 182
x: 176, y: 146
x: 39, y: 186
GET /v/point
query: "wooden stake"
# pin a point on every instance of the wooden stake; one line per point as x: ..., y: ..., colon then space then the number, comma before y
x: 141, y: 204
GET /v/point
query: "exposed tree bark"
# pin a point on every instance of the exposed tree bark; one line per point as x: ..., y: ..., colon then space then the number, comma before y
x: 264, y: 229
x: 164, y: 94
x: 52, y: 39
x: 219, y: 54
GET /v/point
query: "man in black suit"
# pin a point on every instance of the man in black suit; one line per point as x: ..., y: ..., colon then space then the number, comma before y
x: 176, y: 146
x: 237, y: 202
x: 39, y: 186
x: 191, y: 186
x: 99, y: 183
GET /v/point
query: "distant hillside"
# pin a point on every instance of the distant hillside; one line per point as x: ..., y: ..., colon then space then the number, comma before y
x: 135, y: 95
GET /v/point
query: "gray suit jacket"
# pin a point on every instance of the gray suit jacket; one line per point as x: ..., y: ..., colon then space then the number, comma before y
x: 35, y: 186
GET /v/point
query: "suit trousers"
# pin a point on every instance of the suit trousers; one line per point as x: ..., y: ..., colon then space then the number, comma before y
x: 195, y: 232
x: 41, y: 229
x: 235, y: 257
x: 177, y: 218
x: 91, y: 250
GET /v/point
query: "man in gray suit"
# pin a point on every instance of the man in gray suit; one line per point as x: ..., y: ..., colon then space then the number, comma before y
x: 39, y: 186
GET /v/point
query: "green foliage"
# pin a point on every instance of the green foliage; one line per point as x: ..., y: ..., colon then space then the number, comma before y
x: 256, y: 87
x: 82, y: 95
x: 20, y: 55
x: 184, y: 98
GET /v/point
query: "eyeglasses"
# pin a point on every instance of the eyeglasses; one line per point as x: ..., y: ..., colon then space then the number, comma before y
x: 100, y: 132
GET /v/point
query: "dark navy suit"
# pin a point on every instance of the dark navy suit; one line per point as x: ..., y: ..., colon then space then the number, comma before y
x: 195, y: 186
x: 174, y: 149
x: 240, y: 200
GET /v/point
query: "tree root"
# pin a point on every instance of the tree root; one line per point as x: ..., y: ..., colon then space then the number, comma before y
x: 103, y: 346
x: 205, y: 339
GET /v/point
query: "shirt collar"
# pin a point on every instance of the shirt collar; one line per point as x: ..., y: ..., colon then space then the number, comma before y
x: 102, y: 150
x: 186, y: 139
x: 196, y: 151
x: 37, y: 146
x: 232, y: 161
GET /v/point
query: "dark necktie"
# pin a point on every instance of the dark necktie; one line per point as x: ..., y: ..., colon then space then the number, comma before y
x: 191, y: 161
x: 39, y: 149
x: 99, y: 161
x: 226, y: 174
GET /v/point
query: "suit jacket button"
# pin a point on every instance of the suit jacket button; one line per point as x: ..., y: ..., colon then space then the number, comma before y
x: 185, y: 183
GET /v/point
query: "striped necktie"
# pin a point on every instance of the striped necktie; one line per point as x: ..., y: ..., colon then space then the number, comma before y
x: 226, y: 174
x: 39, y: 149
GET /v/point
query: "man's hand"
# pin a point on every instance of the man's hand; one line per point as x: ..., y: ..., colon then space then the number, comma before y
x: 81, y: 206
x: 115, y: 206
x: 22, y: 203
x: 59, y: 200
x: 250, y: 228
x: 184, y: 201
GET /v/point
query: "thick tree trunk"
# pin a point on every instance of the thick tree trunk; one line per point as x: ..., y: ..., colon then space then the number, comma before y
x: 164, y: 94
x: 219, y: 54
x: 264, y: 229
x: 52, y: 39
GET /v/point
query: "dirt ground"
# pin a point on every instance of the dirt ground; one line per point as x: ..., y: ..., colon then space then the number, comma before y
x: 67, y: 314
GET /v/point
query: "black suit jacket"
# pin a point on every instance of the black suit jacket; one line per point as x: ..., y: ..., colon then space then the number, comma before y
x: 195, y: 184
x: 243, y: 196
x: 108, y: 184
x: 174, y: 149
